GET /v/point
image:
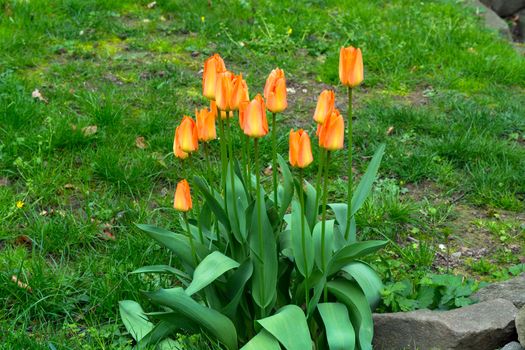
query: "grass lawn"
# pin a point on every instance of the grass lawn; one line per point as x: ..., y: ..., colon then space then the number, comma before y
x: 445, y: 94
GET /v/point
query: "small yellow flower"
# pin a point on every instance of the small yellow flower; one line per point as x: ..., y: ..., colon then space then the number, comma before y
x: 20, y: 204
x: 289, y: 31
x: 203, y: 19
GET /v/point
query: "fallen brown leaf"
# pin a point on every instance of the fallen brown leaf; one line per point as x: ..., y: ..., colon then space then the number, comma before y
x: 20, y: 283
x: 140, y: 142
x: 4, y: 181
x: 69, y: 187
x: 390, y: 130
x: 38, y: 95
x: 106, y: 235
x: 151, y: 4
x: 24, y: 240
x: 89, y: 130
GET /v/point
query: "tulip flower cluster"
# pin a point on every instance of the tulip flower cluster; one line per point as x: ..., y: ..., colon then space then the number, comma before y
x: 268, y: 256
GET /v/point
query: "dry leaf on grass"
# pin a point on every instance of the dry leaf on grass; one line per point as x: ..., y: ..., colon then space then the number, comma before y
x: 89, y: 130
x: 106, y: 235
x: 151, y: 4
x: 20, y: 283
x: 4, y: 181
x: 69, y: 187
x: 390, y: 130
x: 140, y: 142
x: 38, y: 95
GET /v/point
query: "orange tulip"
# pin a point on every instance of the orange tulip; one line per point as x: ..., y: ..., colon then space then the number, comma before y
x: 224, y: 90
x: 332, y: 132
x: 255, y: 122
x: 275, y: 91
x: 179, y: 153
x: 239, y: 93
x: 325, y: 106
x: 213, y: 108
x: 206, y: 125
x: 300, y: 149
x: 350, y: 66
x: 182, y: 199
x: 213, y: 66
x: 242, y: 110
x: 189, y: 136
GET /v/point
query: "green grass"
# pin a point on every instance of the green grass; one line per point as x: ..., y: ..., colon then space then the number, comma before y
x: 452, y: 90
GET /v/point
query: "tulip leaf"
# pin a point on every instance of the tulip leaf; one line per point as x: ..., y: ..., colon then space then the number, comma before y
x: 235, y: 287
x: 318, y: 283
x: 163, y: 329
x: 340, y: 333
x: 352, y: 296
x: 352, y: 252
x: 328, y: 243
x: 265, y: 263
x: 212, y: 202
x: 286, y: 193
x: 311, y: 210
x: 209, y: 320
x: 263, y: 340
x: 367, y: 180
x: 238, y: 194
x: 289, y: 326
x: 162, y: 269
x: 209, y: 269
x: 367, y: 279
x: 302, y: 245
x: 134, y: 319
x: 175, y: 242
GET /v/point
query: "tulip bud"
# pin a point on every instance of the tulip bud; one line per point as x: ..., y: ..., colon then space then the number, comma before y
x: 189, y: 136
x: 325, y: 106
x: 332, y: 132
x: 255, y: 122
x: 213, y: 66
x: 300, y: 153
x: 182, y: 199
x: 350, y: 66
x: 224, y: 91
x: 179, y: 153
x: 239, y: 93
x: 205, y: 125
x: 275, y: 91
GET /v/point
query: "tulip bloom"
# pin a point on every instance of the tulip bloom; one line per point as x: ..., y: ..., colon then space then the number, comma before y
x: 224, y: 90
x: 275, y: 91
x: 239, y: 93
x: 205, y: 125
x: 255, y: 122
x: 325, y: 106
x: 179, y: 153
x: 350, y: 66
x: 188, y: 135
x: 300, y: 153
x: 332, y: 132
x: 182, y: 199
x: 213, y: 66
x: 242, y: 110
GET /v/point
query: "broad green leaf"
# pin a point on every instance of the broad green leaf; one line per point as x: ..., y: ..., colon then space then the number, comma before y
x: 328, y: 243
x: 237, y: 219
x: 289, y: 326
x: 311, y: 210
x: 339, y: 210
x: 367, y: 279
x: 212, y: 202
x: 262, y: 341
x: 287, y: 188
x: 302, y: 245
x: 317, y: 282
x: 340, y: 333
x: 285, y: 243
x: 235, y: 287
x: 351, y: 295
x: 209, y: 269
x: 177, y: 243
x: 352, y: 252
x: 211, y: 321
x: 169, y: 344
x: 367, y: 180
x: 162, y: 330
x: 265, y: 266
x: 134, y: 319
x: 162, y: 269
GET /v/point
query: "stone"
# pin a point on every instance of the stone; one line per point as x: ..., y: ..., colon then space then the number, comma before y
x: 505, y: 8
x: 492, y: 20
x: 520, y: 326
x: 513, y: 346
x: 512, y: 290
x: 485, y: 326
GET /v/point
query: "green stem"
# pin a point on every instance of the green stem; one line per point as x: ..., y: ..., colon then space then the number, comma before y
x: 196, y: 202
x: 223, y: 158
x: 259, y: 219
x: 248, y: 164
x: 350, y: 177
x: 303, y: 238
x: 318, y: 183
x: 323, y: 224
x: 190, y: 236
x: 209, y: 168
x: 232, y: 171
x: 274, y: 161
